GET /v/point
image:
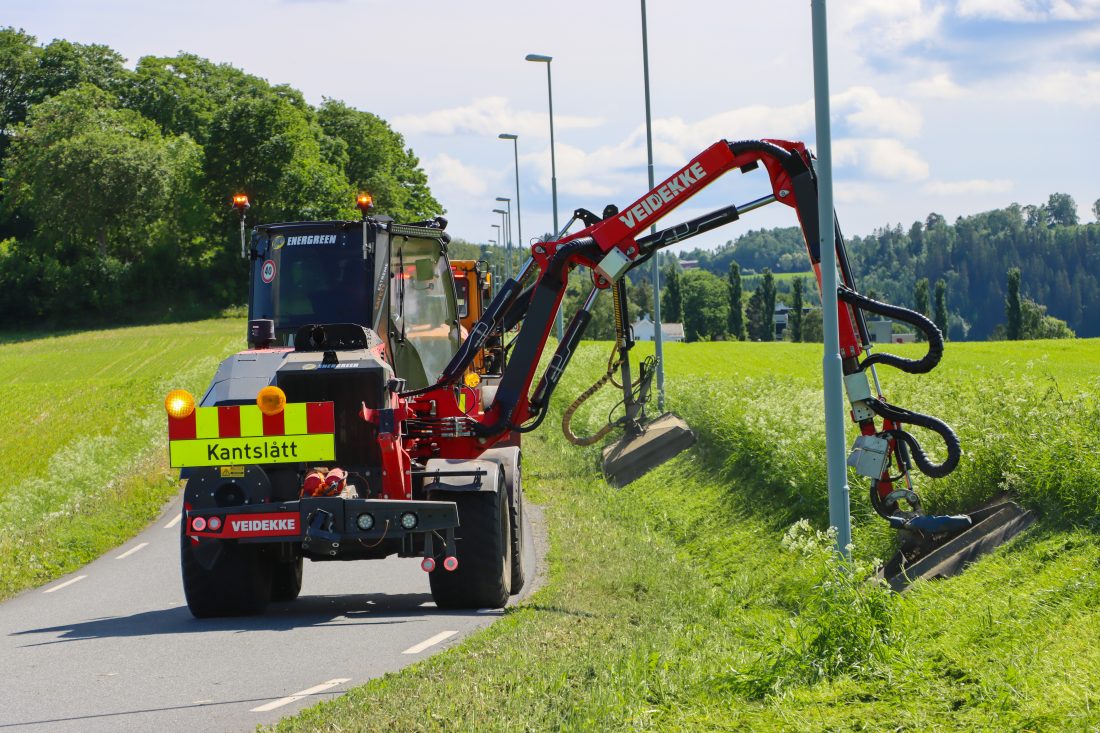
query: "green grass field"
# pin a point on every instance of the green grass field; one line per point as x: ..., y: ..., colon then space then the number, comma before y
x: 83, y: 453
x: 694, y: 599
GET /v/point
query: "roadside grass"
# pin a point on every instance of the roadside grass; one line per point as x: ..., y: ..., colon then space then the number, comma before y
x: 82, y: 454
x: 694, y: 599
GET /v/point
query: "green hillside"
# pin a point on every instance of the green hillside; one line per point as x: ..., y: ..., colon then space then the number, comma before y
x: 83, y: 455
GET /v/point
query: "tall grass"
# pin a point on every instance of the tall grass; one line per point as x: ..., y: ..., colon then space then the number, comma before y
x: 705, y: 596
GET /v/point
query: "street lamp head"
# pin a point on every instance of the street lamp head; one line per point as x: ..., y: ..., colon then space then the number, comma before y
x: 508, y: 136
x: 499, y: 211
x: 503, y: 198
x: 538, y: 57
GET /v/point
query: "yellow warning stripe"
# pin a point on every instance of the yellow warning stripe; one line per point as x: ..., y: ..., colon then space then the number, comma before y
x: 206, y: 422
x: 294, y: 418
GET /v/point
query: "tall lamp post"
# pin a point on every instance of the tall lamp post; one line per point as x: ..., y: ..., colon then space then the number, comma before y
x: 498, y: 239
x: 839, y: 511
x: 507, y: 232
x: 519, y: 216
x: 539, y: 58
x: 655, y: 267
x: 508, y: 220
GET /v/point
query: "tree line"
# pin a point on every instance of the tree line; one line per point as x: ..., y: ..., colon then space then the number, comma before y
x: 116, y: 183
x: 1058, y: 258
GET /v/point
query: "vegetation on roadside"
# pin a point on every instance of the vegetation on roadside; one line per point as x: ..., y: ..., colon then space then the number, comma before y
x: 83, y: 456
x: 697, y: 598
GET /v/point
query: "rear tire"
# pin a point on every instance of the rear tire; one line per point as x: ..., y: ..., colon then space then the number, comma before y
x: 286, y: 580
x: 519, y: 552
x: 483, y: 545
x: 237, y: 584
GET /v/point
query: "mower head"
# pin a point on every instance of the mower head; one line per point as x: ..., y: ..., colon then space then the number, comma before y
x: 639, y: 452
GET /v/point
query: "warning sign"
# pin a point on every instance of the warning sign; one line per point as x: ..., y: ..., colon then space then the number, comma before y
x: 235, y: 435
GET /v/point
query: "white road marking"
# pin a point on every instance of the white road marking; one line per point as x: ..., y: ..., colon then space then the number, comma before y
x: 175, y: 521
x: 299, y: 695
x: 131, y: 551
x: 65, y: 584
x: 429, y: 642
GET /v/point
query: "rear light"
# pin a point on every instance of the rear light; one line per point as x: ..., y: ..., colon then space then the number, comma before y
x: 198, y: 524
x: 409, y: 520
x: 214, y: 524
x: 450, y: 564
x: 365, y: 522
x: 427, y: 564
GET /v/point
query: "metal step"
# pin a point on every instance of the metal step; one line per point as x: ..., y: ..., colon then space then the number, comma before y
x: 992, y: 527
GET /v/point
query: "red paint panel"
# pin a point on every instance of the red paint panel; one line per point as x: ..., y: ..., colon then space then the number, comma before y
x: 229, y: 421
x: 319, y: 418
x: 273, y: 424
x: 181, y: 428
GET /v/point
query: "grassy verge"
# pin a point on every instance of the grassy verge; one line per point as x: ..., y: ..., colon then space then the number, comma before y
x: 82, y: 464
x: 691, y: 600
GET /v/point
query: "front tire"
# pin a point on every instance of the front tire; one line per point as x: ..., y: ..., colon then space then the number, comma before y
x: 237, y: 583
x: 483, y: 545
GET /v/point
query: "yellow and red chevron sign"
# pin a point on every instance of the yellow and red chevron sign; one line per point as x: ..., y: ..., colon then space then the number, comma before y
x: 242, y: 434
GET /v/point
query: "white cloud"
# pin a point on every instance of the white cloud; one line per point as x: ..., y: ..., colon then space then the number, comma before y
x: 971, y: 186
x: 446, y: 172
x: 888, y: 27
x: 849, y: 192
x: 872, y: 113
x: 488, y: 116
x: 1029, y: 11
x: 1062, y: 87
x: 940, y: 86
x: 880, y: 158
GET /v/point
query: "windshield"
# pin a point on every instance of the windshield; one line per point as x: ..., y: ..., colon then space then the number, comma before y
x: 422, y: 302
x: 315, y: 276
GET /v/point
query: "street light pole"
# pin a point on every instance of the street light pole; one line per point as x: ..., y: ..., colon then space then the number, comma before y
x: 498, y: 239
x: 553, y: 164
x: 508, y: 220
x: 839, y: 510
x: 519, y: 216
x: 655, y: 266
x: 507, y: 240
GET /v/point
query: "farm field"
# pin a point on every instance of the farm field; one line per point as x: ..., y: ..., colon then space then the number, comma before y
x: 82, y: 454
x: 695, y: 599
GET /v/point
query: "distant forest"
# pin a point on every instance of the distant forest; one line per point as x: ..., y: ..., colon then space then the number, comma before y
x: 1058, y: 258
x: 116, y: 183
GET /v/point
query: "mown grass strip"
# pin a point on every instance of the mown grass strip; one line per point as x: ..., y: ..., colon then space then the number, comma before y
x: 82, y: 460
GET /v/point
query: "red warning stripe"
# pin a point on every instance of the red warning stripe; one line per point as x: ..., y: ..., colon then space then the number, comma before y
x: 181, y: 428
x: 274, y: 424
x: 229, y: 421
x: 319, y: 418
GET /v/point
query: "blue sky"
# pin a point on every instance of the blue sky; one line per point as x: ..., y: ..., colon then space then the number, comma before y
x: 952, y: 106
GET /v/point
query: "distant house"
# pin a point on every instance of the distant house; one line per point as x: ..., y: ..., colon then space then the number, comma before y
x: 689, y: 264
x: 643, y: 330
x: 781, y: 318
x: 882, y: 332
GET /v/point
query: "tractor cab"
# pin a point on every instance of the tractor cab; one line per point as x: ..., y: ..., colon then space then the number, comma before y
x: 389, y: 278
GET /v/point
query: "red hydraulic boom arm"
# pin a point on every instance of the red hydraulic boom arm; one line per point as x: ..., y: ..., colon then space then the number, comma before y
x: 611, y: 246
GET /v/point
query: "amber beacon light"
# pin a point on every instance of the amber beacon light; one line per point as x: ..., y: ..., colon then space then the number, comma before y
x: 179, y: 403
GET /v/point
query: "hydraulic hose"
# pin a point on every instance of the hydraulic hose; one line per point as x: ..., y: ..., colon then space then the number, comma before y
x: 901, y: 415
x: 913, y: 366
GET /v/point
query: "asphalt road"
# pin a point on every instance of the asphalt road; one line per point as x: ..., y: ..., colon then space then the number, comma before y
x: 113, y: 647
